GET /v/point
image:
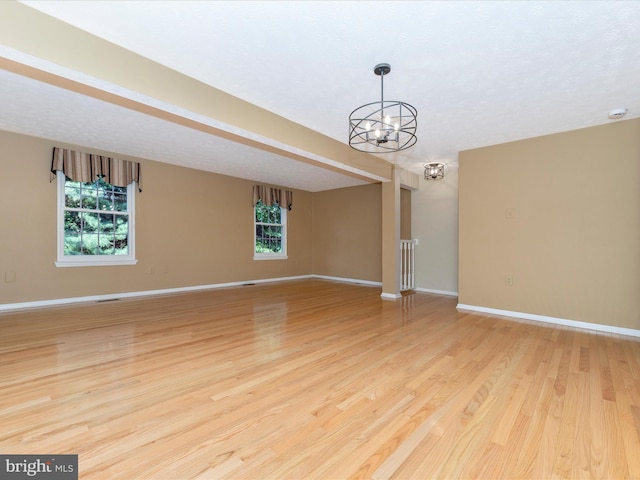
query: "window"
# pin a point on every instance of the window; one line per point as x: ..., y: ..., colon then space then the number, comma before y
x: 270, y: 232
x: 95, y: 223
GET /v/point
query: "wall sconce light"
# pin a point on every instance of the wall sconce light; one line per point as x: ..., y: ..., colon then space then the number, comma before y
x: 434, y: 171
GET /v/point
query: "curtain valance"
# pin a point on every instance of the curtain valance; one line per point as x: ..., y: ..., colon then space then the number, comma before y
x: 271, y: 196
x: 86, y: 167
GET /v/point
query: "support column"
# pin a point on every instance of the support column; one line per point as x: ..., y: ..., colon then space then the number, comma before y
x: 391, y: 237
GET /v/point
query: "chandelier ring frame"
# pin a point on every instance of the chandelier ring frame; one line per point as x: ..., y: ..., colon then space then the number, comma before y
x: 383, y: 126
x: 364, y: 120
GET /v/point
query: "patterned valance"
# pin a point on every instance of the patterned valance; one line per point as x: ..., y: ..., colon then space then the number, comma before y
x: 271, y: 196
x: 86, y: 167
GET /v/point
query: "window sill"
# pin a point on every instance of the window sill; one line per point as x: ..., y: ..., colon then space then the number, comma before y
x: 107, y: 262
x: 270, y: 257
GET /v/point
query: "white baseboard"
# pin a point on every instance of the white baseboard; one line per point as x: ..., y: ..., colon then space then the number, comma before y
x: 165, y: 291
x: 145, y: 293
x: 383, y: 295
x: 437, y: 292
x: 553, y: 320
x: 390, y: 296
x: 348, y: 280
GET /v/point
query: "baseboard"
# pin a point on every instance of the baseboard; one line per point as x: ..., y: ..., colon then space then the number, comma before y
x: 390, y: 296
x: 383, y: 295
x: 437, y: 292
x: 145, y: 293
x: 553, y: 320
x: 386, y: 296
x: 348, y: 280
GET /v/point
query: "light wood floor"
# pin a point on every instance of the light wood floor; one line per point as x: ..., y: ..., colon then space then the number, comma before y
x: 315, y: 380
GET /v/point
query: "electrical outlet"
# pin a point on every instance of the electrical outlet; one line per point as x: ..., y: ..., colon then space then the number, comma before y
x: 508, y: 213
x: 508, y: 280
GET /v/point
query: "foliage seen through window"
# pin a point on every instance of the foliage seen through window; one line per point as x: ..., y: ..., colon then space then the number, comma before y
x: 96, y: 219
x: 270, y: 228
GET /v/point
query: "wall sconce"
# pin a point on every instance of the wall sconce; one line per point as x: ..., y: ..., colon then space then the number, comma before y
x: 434, y: 171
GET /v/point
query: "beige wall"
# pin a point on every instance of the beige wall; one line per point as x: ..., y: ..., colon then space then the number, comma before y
x: 435, y: 225
x: 192, y: 228
x: 572, y: 244
x: 347, y: 239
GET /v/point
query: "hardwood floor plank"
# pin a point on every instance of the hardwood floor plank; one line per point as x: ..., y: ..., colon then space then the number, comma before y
x: 564, y: 453
x: 315, y: 379
x: 623, y: 415
x: 599, y: 460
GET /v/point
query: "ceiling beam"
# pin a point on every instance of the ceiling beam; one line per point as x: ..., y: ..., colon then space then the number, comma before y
x: 49, y: 50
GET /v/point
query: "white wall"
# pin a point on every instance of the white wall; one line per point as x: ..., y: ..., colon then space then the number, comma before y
x: 434, y: 222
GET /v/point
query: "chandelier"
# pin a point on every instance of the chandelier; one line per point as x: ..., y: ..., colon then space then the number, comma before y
x: 384, y: 126
x: 434, y: 171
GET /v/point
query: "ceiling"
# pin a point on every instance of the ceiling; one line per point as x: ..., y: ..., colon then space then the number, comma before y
x: 479, y: 73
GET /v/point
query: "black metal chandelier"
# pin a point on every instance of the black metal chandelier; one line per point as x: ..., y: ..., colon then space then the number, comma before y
x: 384, y: 126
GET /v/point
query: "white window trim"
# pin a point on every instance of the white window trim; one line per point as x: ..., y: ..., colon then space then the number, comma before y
x: 272, y: 256
x: 94, y: 260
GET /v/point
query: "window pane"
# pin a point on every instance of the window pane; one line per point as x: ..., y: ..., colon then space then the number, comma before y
x: 275, y: 245
x: 275, y: 212
x: 107, y: 244
x: 260, y: 248
x: 120, y: 244
x: 72, y: 222
x: 121, y: 235
x: 90, y: 244
x: 89, y: 222
x: 262, y: 213
x: 273, y: 231
x: 72, y: 244
x: 89, y: 199
x: 106, y: 223
x: 120, y: 202
x: 71, y: 196
x: 105, y: 199
x: 121, y: 224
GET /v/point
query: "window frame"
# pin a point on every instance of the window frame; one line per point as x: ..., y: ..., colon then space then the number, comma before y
x: 283, y: 224
x: 94, y: 260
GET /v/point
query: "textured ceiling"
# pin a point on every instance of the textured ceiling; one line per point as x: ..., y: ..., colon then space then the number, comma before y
x: 44, y: 111
x: 479, y: 73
